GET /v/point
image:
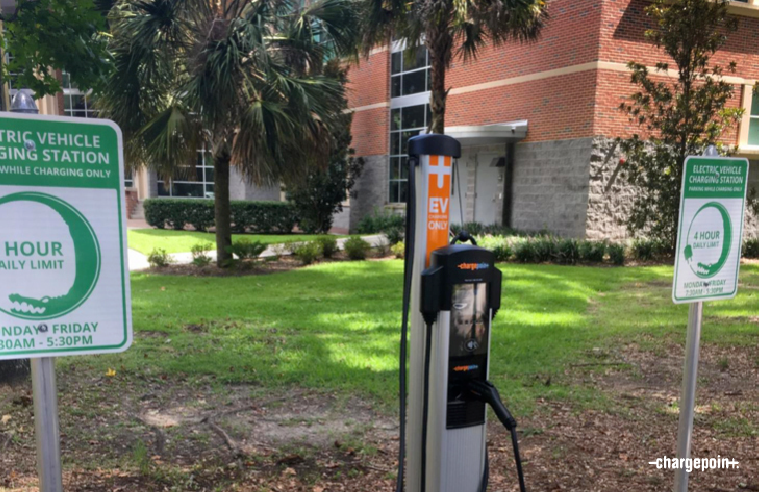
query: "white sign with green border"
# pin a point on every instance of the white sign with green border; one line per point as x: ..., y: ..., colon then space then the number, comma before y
x: 710, y: 233
x: 64, y: 279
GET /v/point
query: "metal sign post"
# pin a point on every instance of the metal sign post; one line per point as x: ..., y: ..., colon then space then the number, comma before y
x: 63, y: 258
x: 707, y: 261
x: 44, y: 385
x: 46, y: 428
x: 688, y: 393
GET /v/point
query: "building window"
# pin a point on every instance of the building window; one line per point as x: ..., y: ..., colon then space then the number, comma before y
x: 405, y: 122
x: 76, y: 102
x: 410, y: 72
x: 186, y: 184
x: 753, y: 124
x: 409, y: 113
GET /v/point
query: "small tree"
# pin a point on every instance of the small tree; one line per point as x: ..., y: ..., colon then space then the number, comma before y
x: 681, y: 116
x: 320, y: 193
x: 244, y: 77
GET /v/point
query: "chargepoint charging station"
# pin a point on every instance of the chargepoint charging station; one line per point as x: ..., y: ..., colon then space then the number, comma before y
x: 451, y: 293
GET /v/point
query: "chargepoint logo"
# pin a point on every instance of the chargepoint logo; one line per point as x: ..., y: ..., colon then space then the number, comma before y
x: 46, y: 271
x: 474, y: 266
x: 709, y: 239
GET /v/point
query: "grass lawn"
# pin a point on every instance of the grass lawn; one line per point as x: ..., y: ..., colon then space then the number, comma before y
x: 335, y: 326
x: 144, y: 240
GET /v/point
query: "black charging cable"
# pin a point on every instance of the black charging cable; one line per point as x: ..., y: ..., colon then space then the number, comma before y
x: 486, y: 392
x: 426, y: 403
x: 408, y: 273
x: 463, y: 237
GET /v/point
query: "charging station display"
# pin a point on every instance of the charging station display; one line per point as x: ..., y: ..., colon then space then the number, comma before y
x: 467, y: 353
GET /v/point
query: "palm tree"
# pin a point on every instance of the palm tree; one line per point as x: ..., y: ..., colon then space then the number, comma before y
x: 449, y: 28
x: 243, y: 77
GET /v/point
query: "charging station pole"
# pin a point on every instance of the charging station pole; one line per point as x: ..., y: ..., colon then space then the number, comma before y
x: 434, y: 155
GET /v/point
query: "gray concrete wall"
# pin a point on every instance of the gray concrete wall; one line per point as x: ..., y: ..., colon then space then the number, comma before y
x: 550, y: 184
x: 370, y: 190
x: 241, y: 189
x: 610, y: 197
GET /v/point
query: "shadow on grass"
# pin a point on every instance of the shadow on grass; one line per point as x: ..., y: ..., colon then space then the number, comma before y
x: 336, y: 326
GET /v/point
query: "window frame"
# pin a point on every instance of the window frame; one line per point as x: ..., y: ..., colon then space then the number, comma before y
x: 395, y: 177
x: 205, y: 165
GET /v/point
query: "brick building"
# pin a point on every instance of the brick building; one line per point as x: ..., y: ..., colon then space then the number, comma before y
x: 537, y: 121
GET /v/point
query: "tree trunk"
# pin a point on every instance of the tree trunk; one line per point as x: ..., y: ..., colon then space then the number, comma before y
x: 439, y: 46
x: 222, y: 213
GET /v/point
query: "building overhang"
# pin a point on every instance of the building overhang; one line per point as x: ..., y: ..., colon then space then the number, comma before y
x: 501, y: 133
x: 8, y: 7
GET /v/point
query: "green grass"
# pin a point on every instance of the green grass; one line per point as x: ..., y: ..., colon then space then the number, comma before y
x: 145, y: 240
x: 335, y: 326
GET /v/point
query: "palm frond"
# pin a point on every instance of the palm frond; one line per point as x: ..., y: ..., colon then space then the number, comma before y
x: 171, y: 140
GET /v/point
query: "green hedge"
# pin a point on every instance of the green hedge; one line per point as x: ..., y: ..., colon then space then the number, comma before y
x: 256, y: 217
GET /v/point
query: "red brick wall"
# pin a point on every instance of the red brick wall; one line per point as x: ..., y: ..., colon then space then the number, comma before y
x: 613, y: 88
x: 573, y: 105
x: 370, y: 132
x: 131, y: 202
x: 570, y: 37
x: 557, y: 107
x: 369, y: 82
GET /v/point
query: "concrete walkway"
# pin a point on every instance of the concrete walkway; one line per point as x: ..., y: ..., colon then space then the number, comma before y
x: 138, y: 261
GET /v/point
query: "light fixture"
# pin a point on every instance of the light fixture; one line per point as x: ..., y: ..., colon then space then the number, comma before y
x: 23, y: 103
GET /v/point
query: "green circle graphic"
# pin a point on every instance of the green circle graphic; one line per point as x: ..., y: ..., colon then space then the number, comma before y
x: 709, y: 270
x: 87, y: 262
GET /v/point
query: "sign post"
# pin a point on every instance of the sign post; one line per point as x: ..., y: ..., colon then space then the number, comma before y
x: 64, y: 279
x: 707, y: 261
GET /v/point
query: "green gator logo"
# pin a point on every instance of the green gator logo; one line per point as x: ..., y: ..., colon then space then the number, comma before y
x: 709, y: 240
x: 35, y: 258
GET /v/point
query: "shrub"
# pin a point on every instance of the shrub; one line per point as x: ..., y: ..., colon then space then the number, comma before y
x: 245, y: 249
x: 329, y: 245
x: 525, y: 251
x: 545, y: 248
x: 307, y: 252
x: 200, y: 255
x: 356, y: 248
x: 617, y: 253
x: 159, y: 258
x: 568, y: 251
x: 13, y: 371
x: 645, y: 249
x: 592, y: 251
x: 259, y: 217
x: 477, y: 229
x: 751, y: 248
x: 380, y: 222
x: 383, y: 247
x: 394, y: 234
x: 499, y: 245
x: 398, y: 249
x: 503, y: 251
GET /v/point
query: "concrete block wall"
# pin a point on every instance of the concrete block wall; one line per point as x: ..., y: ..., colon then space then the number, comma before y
x: 371, y: 190
x: 551, y: 186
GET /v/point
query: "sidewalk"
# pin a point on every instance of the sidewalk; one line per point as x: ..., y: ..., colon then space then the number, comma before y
x: 138, y: 261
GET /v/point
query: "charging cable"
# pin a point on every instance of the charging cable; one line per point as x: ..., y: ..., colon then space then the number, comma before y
x: 486, y: 392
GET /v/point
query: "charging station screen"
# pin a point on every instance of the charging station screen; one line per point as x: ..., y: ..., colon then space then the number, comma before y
x: 468, y: 353
x: 469, y: 320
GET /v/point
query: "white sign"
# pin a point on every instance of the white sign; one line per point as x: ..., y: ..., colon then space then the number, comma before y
x: 64, y: 279
x: 710, y: 233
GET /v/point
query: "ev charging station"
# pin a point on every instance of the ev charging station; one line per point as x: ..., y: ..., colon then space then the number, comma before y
x: 451, y: 293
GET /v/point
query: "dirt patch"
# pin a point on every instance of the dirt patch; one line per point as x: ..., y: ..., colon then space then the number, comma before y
x: 135, y: 434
